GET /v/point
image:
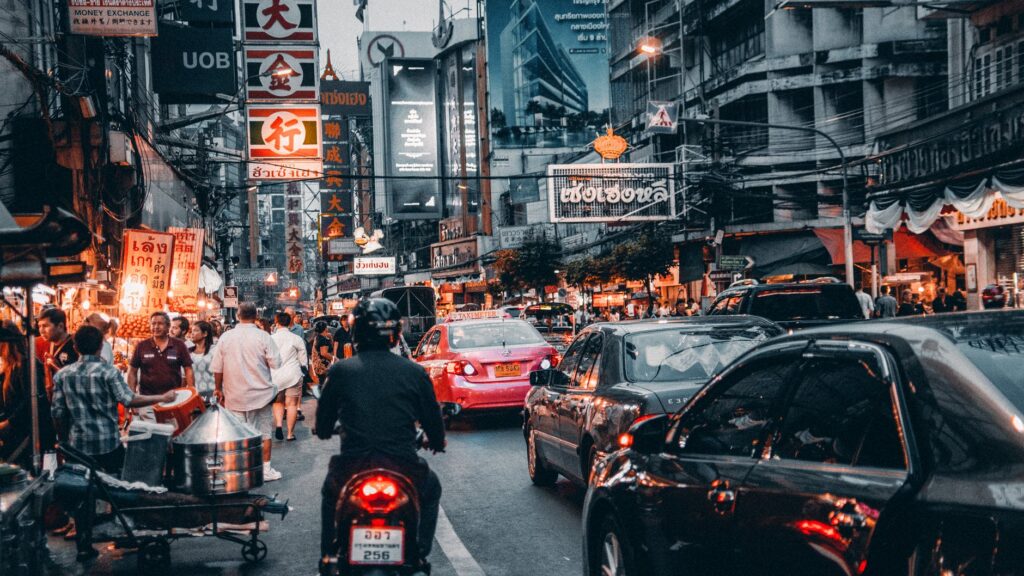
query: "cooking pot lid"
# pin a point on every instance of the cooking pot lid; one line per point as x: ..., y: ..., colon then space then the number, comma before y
x: 214, y: 426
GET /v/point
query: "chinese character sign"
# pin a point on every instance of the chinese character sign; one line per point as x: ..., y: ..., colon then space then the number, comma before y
x: 284, y: 132
x: 188, y: 256
x: 279, y: 21
x: 112, y: 17
x: 145, y: 273
x: 281, y: 73
x: 293, y: 228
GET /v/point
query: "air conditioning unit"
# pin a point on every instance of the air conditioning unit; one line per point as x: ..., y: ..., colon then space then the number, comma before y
x: 120, y: 149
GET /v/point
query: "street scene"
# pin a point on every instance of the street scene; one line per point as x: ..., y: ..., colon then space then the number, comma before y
x: 512, y: 287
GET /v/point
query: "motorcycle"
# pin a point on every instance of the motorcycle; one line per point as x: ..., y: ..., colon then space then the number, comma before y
x: 376, y: 525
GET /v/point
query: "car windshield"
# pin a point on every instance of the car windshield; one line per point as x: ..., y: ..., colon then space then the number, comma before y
x: 811, y: 302
x: 484, y: 335
x: 669, y: 355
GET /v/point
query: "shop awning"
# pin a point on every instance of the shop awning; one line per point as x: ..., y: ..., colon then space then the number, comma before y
x: 908, y: 245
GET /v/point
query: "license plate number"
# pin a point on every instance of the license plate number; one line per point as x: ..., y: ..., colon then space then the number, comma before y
x: 370, y: 545
x: 505, y: 370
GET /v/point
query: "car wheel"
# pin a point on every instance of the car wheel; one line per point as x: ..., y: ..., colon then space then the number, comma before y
x: 591, y: 460
x: 540, y: 474
x: 612, y: 555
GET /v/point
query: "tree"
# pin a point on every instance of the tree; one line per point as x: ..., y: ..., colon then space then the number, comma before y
x: 538, y: 259
x: 506, y: 264
x: 650, y: 255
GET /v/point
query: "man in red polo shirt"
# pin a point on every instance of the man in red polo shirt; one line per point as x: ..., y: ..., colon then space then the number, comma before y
x: 158, y: 363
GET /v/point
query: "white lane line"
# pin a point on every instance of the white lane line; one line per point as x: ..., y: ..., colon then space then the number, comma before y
x: 453, y: 548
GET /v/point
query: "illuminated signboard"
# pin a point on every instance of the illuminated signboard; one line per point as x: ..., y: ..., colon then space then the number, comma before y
x: 412, y: 150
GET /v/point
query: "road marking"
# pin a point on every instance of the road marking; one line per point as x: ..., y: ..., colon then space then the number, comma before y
x: 453, y: 548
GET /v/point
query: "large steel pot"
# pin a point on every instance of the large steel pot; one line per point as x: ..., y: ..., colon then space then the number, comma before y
x: 218, y: 454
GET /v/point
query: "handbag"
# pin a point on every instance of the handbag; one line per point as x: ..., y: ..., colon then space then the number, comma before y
x: 318, y: 366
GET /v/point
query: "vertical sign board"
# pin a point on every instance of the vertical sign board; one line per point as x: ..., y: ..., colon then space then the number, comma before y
x: 293, y: 228
x: 231, y: 296
x: 112, y: 17
x: 412, y: 149
x: 277, y: 21
x: 188, y: 256
x: 283, y: 139
x: 281, y: 73
x: 206, y: 11
x: 145, y: 278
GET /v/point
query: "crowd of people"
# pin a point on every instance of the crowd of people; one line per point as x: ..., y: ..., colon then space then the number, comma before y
x: 886, y: 305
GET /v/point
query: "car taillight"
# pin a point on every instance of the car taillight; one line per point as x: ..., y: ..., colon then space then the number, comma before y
x: 460, y: 367
x: 625, y: 440
x: 377, y: 493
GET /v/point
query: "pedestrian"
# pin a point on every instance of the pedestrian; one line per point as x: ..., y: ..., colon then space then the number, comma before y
x: 885, y: 304
x: 16, y: 401
x: 342, y: 338
x: 321, y: 358
x: 907, y: 307
x: 681, y: 309
x: 242, y: 364
x: 59, y: 351
x: 180, y: 329
x: 664, y: 311
x: 201, y: 336
x: 85, y: 398
x: 288, y: 378
x: 692, y: 307
x: 118, y: 344
x: 160, y: 363
x: 958, y: 301
x: 613, y: 315
x: 867, y: 306
x: 942, y: 303
x: 101, y: 323
x: 915, y: 300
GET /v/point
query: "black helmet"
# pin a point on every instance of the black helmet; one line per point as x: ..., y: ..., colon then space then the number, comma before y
x: 374, y: 322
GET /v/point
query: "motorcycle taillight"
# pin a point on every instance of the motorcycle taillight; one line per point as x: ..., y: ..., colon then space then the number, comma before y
x: 378, y: 494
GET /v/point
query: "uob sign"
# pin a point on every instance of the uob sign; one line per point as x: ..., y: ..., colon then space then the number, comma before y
x: 193, y: 60
x: 194, y: 64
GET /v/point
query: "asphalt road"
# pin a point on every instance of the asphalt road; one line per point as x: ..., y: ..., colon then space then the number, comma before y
x: 494, y: 521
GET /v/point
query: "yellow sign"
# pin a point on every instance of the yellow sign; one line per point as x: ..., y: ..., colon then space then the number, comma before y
x: 611, y: 145
x: 188, y: 257
x: 1000, y: 214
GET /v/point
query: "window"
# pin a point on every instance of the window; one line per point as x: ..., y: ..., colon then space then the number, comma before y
x: 688, y: 354
x: 731, y: 421
x: 572, y: 356
x: 841, y: 413
x: 727, y: 305
x: 586, y: 375
x: 493, y: 335
x: 810, y: 302
x: 428, y: 346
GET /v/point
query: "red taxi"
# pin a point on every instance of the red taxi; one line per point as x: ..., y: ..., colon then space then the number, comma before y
x: 482, y: 360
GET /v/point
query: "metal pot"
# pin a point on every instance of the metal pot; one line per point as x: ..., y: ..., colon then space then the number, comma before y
x: 218, y: 454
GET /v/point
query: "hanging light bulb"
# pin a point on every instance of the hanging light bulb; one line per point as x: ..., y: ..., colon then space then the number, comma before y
x: 86, y: 304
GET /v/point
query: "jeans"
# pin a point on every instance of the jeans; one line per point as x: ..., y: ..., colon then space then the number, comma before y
x: 111, y: 463
x: 427, y: 485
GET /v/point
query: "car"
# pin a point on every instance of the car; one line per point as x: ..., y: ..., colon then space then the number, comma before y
x: 554, y: 320
x: 885, y: 447
x: 483, y: 363
x: 793, y: 306
x: 617, y: 372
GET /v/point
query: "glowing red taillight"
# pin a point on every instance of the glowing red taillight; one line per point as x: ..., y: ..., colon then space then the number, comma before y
x: 460, y: 367
x: 377, y: 493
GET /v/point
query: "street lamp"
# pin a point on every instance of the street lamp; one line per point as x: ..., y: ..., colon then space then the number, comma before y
x: 650, y: 46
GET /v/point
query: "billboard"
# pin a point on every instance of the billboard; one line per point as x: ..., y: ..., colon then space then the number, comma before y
x: 343, y: 98
x: 454, y: 258
x: 145, y: 277
x: 194, y: 64
x: 374, y: 266
x: 188, y: 257
x: 611, y: 192
x: 112, y: 17
x: 547, y: 72
x: 281, y: 73
x: 279, y: 21
x: 412, y: 149
x: 283, y: 132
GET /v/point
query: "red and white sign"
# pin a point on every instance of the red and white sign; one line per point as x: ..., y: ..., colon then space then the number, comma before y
x: 145, y: 271
x: 279, y: 21
x: 188, y: 256
x: 375, y: 266
x: 284, y: 132
x: 281, y: 73
x: 112, y: 17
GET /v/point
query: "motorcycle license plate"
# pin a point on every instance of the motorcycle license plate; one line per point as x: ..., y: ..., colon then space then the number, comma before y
x: 509, y: 369
x: 371, y: 545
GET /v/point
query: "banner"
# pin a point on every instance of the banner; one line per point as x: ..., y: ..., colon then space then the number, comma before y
x: 194, y: 64
x: 374, y: 266
x: 279, y: 21
x: 455, y: 258
x: 281, y: 73
x: 188, y: 256
x: 411, y: 124
x: 662, y: 117
x: 294, y: 249
x: 342, y: 98
x: 112, y: 17
x: 547, y: 71
x: 611, y: 192
x: 145, y: 278
x: 284, y: 131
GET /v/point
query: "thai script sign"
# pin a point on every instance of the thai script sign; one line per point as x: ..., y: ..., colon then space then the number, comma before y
x: 188, y: 255
x: 611, y: 192
x: 145, y: 272
x: 373, y: 266
x: 343, y: 98
x: 112, y: 17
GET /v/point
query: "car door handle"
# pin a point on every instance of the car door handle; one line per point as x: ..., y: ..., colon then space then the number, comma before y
x: 721, y: 497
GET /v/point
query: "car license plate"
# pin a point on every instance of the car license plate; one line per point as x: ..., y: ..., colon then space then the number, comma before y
x: 370, y: 545
x: 509, y: 369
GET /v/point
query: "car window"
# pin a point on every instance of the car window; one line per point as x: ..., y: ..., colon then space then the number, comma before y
x: 587, y: 372
x: 428, y: 346
x: 572, y: 356
x: 810, y: 302
x: 718, y: 307
x: 689, y: 353
x: 731, y: 421
x: 841, y: 412
x: 493, y: 334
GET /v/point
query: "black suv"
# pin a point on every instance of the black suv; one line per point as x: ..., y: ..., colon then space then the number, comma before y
x: 793, y: 305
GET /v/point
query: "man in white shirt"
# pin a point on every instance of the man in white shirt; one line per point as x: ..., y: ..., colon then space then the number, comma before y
x: 287, y: 378
x: 241, y: 365
x: 101, y: 323
x: 867, y: 305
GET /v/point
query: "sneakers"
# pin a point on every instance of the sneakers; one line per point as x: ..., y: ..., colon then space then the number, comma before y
x: 279, y: 433
x: 300, y: 417
x: 269, y: 474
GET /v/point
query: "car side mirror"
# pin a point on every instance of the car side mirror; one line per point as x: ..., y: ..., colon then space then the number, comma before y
x: 646, y: 435
x: 549, y: 377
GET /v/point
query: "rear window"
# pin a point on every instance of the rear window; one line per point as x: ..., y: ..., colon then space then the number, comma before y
x: 493, y: 334
x: 999, y: 355
x: 811, y: 302
x: 667, y: 355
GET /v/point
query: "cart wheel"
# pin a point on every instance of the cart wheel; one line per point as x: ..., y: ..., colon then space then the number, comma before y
x: 254, y: 550
x: 155, y: 556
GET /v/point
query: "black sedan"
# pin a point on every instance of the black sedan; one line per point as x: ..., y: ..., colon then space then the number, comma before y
x: 870, y: 448
x: 614, y: 373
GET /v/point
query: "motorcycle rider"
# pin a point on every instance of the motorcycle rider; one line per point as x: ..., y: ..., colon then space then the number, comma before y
x: 379, y: 397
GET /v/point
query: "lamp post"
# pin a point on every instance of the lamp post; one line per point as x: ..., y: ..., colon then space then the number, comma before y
x: 847, y: 222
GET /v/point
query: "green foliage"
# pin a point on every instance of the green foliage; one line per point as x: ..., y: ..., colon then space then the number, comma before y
x: 650, y: 255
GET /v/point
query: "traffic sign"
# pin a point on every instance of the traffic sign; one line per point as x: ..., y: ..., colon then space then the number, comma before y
x: 724, y: 276
x: 231, y: 296
x: 735, y: 262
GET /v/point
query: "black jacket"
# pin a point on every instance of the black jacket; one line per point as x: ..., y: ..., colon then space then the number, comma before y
x: 378, y: 397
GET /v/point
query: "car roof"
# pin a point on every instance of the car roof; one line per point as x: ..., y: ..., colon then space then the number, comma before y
x: 953, y: 326
x: 782, y: 286
x: 696, y: 322
x: 479, y: 321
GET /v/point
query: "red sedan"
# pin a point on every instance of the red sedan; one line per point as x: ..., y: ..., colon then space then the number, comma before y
x: 483, y: 364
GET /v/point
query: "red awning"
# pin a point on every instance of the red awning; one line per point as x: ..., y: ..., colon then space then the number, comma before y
x: 908, y: 245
